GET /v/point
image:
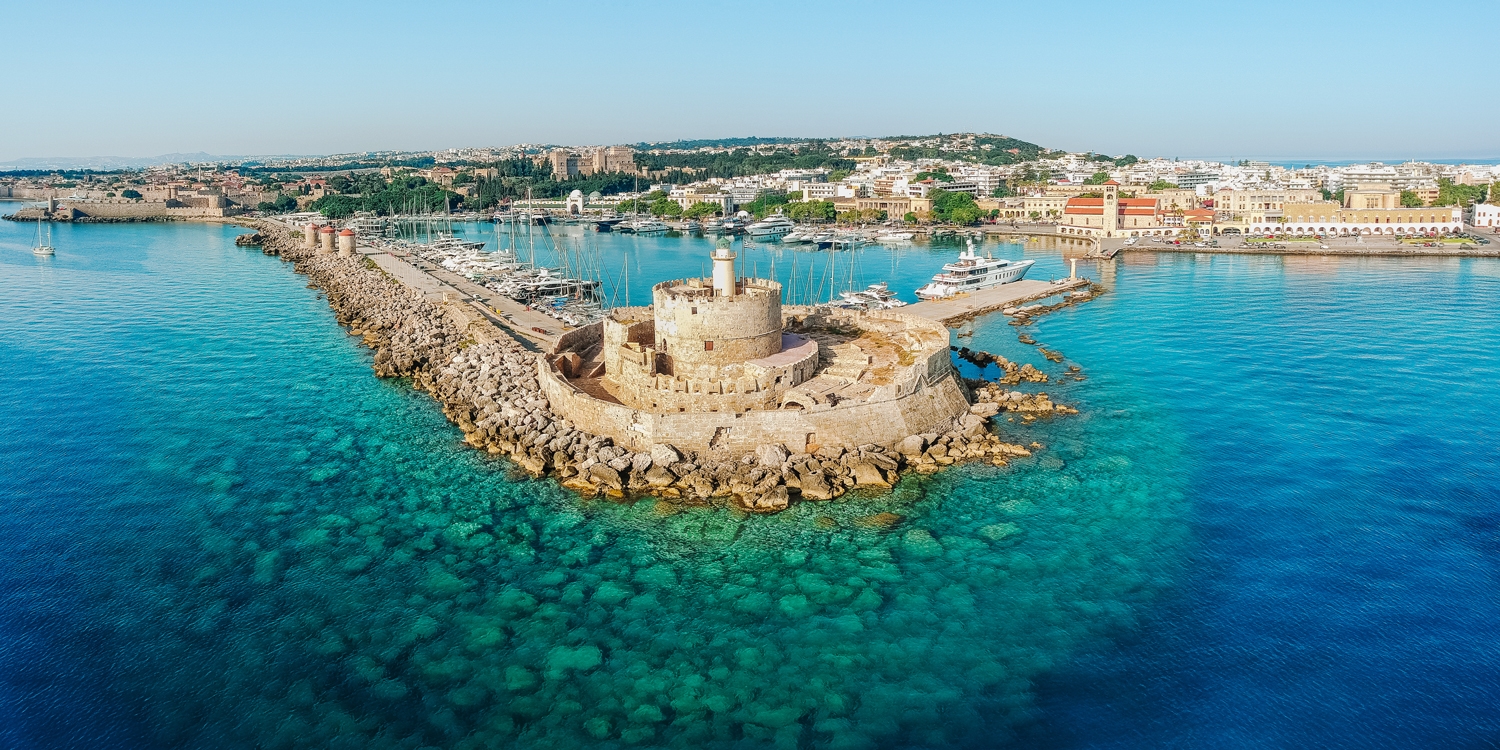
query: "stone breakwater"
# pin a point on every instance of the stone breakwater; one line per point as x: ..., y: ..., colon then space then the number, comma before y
x: 487, y: 384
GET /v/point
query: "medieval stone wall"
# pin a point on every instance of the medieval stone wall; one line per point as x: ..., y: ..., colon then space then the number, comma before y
x: 925, y: 396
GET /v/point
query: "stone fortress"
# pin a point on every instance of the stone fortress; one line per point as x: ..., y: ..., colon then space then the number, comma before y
x: 718, y: 365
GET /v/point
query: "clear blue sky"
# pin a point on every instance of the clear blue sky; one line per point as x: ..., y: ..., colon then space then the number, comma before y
x: 1267, y: 79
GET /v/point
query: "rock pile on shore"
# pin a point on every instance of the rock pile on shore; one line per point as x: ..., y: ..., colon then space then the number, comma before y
x: 991, y: 399
x: 489, y: 389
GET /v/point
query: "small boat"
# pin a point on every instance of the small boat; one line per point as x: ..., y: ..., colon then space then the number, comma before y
x: 972, y: 273
x: 41, y: 248
x: 893, y: 238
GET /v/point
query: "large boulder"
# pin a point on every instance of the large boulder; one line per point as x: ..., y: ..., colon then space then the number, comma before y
x: 606, y: 475
x: 664, y: 455
x: 866, y: 474
x: 773, y: 500
x: 660, y: 476
x: 640, y: 462
x: 971, y: 425
x: 815, y: 486
x: 985, y: 409
x: 913, y: 445
x: 771, y: 456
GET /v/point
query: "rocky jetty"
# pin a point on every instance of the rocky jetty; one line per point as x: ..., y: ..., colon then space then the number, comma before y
x: 487, y: 384
x: 254, y: 239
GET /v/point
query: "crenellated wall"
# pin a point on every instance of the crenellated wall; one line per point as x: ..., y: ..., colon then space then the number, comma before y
x: 927, y: 407
x: 700, y: 332
x: 739, y: 415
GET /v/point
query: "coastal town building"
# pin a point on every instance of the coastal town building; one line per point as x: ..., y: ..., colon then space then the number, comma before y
x: 568, y: 164
x: 1486, y: 215
x: 1254, y: 206
x: 1333, y: 218
x: 1109, y: 215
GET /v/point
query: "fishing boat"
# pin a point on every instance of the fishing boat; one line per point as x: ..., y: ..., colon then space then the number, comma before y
x: 43, y: 248
x: 972, y: 273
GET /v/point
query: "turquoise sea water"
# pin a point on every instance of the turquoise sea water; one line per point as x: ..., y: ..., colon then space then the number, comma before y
x: 1273, y: 524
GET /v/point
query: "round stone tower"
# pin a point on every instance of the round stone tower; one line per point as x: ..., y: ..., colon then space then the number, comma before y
x: 703, y: 325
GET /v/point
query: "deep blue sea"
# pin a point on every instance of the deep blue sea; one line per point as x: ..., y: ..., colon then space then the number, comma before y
x: 1275, y: 523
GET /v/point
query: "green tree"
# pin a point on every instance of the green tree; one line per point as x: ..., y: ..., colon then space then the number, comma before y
x: 1160, y: 185
x: 701, y: 209
x: 946, y: 203
x: 1410, y: 199
x: 1098, y: 178
x: 767, y: 202
x: 1450, y: 194
x: 131, y: 194
x: 811, y: 211
x: 282, y: 204
x: 1000, y: 192
x: 909, y: 218
x: 965, y: 215
x: 665, y: 206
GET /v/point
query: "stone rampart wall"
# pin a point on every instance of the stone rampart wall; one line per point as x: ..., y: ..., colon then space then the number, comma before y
x: 932, y: 407
x: 127, y: 209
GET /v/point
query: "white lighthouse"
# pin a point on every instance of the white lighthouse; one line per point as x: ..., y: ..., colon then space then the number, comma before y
x: 723, y: 270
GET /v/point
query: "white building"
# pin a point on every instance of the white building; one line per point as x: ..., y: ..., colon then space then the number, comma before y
x: 1486, y: 215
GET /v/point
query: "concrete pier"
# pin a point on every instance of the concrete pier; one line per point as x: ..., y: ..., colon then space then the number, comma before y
x: 973, y: 304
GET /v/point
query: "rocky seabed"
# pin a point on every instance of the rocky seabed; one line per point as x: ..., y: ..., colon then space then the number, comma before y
x: 490, y: 390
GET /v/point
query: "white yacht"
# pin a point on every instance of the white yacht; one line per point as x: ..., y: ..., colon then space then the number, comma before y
x: 774, y: 225
x: 646, y: 226
x: 972, y: 273
x: 873, y: 297
x: 893, y: 238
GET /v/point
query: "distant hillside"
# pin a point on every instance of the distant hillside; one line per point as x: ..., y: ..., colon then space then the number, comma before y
x: 718, y: 143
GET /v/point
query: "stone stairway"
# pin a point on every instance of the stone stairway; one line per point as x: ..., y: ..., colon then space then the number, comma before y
x: 848, y: 362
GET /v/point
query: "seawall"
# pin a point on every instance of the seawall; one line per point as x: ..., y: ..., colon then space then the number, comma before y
x: 491, y: 388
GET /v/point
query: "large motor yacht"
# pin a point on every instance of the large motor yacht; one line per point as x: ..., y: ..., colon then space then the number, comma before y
x: 972, y: 273
x: 774, y: 225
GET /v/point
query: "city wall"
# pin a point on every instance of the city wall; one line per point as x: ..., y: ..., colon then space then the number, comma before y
x: 129, y: 209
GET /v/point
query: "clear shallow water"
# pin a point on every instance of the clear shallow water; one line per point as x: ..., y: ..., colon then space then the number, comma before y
x: 1272, y: 525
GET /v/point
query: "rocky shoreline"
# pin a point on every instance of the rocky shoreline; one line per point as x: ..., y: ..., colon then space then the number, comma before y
x: 487, y: 385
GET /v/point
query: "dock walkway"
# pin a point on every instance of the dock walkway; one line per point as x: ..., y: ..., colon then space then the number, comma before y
x: 497, y: 308
x: 973, y: 304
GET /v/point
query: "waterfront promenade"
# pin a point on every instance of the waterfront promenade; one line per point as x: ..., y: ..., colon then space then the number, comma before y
x: 973, y: 304
x: 514, y: 317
